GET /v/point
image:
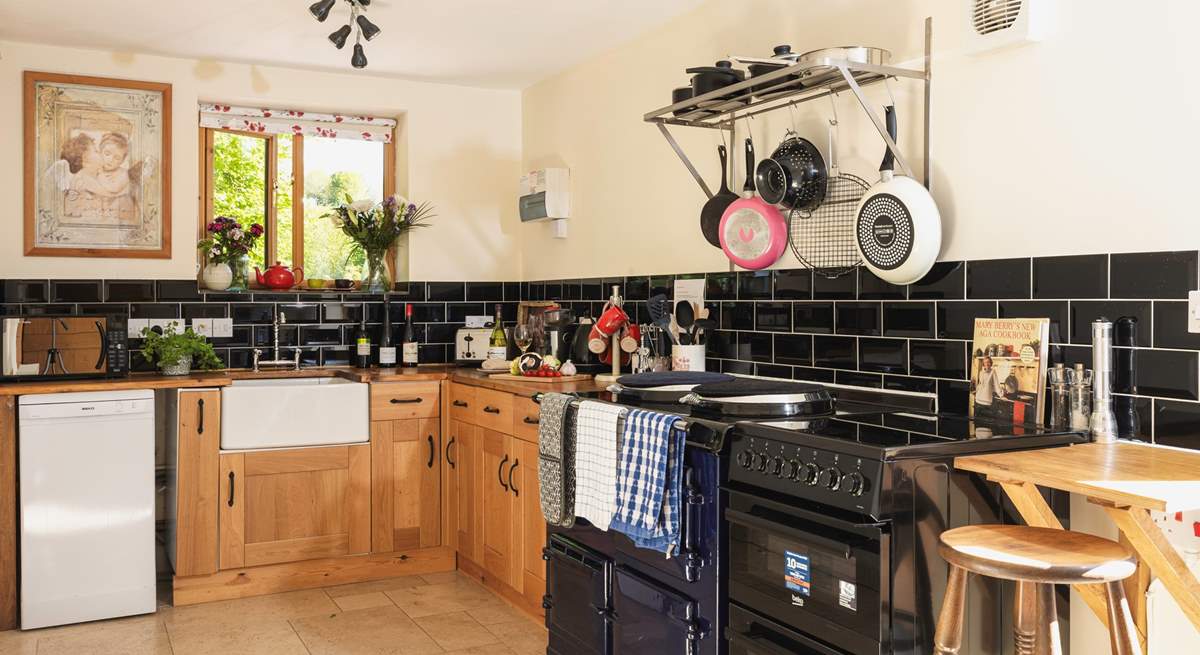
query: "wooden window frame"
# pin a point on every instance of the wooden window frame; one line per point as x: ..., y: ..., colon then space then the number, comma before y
x: 271, y: 220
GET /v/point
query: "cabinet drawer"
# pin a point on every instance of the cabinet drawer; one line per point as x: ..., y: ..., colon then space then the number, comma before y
x: 495, y: 410
x: 526, y: 414
x: 404, y: 400
x: 463, y: 406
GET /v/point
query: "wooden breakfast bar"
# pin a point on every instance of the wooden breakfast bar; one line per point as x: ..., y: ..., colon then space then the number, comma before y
x: 1129, y: 480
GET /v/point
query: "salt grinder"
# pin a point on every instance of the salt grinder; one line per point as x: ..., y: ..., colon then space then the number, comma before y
x: 1104, y: 420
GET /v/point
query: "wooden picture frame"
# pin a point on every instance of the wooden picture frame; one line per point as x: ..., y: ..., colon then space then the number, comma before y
x: 97, y: 166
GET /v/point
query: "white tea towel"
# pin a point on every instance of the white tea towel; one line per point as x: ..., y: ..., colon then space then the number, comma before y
x: 596, y: 444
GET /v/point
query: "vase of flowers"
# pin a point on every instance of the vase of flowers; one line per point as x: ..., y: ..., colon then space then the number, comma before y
x: 228, y: 245
x: 375, y: 227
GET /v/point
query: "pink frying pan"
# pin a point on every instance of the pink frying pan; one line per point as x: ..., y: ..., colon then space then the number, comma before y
x: 753, y: 232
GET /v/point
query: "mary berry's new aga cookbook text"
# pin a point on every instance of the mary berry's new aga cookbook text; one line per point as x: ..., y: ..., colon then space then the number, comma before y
x: 1008, y: 370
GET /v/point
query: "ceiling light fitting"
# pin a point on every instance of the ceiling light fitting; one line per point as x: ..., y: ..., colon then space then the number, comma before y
x: 358, y: 19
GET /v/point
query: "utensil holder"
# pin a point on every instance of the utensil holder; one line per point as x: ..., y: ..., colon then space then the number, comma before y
x: 687, y: 358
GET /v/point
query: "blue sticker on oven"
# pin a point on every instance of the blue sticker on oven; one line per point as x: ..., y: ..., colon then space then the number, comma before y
x: 796, y: 573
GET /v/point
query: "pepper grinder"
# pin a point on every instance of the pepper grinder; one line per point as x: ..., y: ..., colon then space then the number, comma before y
x: 1104, y: 419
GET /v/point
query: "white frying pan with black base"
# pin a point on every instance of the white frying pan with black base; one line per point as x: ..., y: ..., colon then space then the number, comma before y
x: 899, y: 229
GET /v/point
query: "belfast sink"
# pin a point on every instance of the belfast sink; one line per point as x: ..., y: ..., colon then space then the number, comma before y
x: 294, y: 413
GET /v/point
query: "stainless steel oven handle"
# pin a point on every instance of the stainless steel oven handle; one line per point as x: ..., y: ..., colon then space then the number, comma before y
x: 752, y: 521
x: 816, y: 517
x: 760, y: 644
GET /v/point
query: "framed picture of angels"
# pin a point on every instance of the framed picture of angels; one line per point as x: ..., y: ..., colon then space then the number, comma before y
x: 97, y: 167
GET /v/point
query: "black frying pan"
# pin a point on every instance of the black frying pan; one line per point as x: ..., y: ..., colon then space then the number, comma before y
x: 714, y: 209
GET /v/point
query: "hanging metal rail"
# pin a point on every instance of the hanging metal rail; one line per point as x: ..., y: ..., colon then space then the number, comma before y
x: 721, y: 109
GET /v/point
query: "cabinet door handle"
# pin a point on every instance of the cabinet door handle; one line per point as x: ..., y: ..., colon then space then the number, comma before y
x: 405, y: 401
x: 491, y: 410
x: 500, y: 472
x: 231, y: 488
x: 512, y: 486
x: 448, y: 460
x: 460, y: 403
x: 200, y: 416
x: 431, y: 452
x: 529, y: 420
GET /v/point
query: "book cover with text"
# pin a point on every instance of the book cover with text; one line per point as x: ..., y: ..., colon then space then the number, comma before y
x: 1008, y: 370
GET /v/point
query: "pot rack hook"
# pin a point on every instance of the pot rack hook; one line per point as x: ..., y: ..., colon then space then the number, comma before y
x: 833, y: 97
x: 792, y: 111
x: 887, y: 84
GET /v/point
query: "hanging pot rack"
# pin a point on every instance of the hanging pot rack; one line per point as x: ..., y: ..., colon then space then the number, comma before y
x: 722, y: 108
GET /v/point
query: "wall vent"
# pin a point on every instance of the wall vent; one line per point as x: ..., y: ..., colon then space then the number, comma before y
x: 996, y: 24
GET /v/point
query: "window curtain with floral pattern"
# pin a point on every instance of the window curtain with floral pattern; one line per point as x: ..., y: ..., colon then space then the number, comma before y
x: 290, y: 121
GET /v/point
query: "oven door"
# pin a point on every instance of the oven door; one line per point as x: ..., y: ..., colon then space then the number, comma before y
x: 650, y: 617
x: 751, y: 634
x: 817, y: 573
x: 42, y: 347
x: 577, y: 599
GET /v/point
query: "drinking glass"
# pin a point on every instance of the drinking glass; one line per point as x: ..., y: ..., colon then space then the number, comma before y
x: 523, y: 336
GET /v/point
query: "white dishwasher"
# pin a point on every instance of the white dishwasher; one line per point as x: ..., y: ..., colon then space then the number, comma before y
x: 87, y: 506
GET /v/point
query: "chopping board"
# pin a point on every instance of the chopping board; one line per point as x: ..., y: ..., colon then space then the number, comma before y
x: 522, y: 378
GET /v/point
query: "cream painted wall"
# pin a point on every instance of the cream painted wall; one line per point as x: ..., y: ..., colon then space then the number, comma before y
x: 458, y: 147
x: 1082, y: 143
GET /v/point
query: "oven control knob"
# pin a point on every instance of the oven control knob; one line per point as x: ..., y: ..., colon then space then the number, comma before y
x: 830, y: 478
x: 745, y: 458
x: 854, y: 483
x: 777, y: 466
x: 811, y: 473
x: 760, y: 462
x: 792, y: 470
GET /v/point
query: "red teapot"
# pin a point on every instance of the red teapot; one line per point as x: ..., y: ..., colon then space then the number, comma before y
x: 279, y: 277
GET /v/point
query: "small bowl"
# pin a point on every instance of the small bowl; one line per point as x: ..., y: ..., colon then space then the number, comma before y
x: 343, y: 284
x: 315, y: 283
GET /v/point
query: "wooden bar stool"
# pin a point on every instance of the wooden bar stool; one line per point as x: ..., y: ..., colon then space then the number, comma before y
x: 1036, y: 559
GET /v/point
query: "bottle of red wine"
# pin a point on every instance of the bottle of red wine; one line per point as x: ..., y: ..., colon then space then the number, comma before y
x: 410, y: 350
x: 387, y: 346
x: 362, y: 343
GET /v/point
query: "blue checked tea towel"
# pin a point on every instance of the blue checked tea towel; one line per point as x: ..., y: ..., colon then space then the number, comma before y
x: 596, y: 444
x: 649, y: 475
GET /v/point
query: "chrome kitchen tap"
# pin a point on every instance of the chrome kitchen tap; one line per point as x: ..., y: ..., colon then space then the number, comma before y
x: 280, y: 319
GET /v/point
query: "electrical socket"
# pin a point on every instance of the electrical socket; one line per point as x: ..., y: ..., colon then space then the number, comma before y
x: 203, y: 326
x: 477, y: 321
x: 133, y: 327
x: 162, y: 323
x: 222, y: 328
x: 1194, y: 312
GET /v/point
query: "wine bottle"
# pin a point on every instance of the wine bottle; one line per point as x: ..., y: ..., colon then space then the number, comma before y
x: 498, y: 346
x: 362, y: 343
x: 411, y: 354
x: 387, y: 347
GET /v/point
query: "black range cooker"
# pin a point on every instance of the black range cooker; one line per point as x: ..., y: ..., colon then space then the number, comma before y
x: 810, y: 525
x: 833, y: 524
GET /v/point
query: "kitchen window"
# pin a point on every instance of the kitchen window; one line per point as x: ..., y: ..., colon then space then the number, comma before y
x: 287, y: 170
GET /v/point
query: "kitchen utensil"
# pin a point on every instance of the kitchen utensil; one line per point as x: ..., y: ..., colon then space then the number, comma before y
x: 794, y: 175
x: 706, y: 79
x: 1103, y: 420
x: 824, y: 238
x: 279, y: 276
x: 782, y: 57
x: 749, y: 397
x: 820, y: 66
x: 685, y: 315
x: 898, y: 228
x: 710, y: 215
x: 701, y: 329
x: 753, y: 232
x: 679, y: 95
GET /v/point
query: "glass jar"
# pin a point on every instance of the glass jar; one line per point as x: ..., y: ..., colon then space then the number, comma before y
x: 1060, y: 397
x: 1081, y: 398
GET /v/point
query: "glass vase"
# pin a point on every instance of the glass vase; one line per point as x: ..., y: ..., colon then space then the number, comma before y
x: 240, y: 267
x: 379, y: 279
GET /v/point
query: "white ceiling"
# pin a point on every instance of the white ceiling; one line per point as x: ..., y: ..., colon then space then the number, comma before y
x: 494, y: 43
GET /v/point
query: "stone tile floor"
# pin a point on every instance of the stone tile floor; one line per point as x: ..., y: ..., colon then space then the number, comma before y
x: 438, y: 613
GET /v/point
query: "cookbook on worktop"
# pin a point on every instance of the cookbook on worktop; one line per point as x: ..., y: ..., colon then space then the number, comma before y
x: 1008, y: 370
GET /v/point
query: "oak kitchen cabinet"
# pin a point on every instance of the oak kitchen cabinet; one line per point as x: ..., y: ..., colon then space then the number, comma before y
x: 406, y: 463
x: 193, y: 417
x: 498, y: 525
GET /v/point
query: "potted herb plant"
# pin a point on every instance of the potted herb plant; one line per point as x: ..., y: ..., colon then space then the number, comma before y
x: 375, y: 227
x: 227, y: 249
x: 174, y: 352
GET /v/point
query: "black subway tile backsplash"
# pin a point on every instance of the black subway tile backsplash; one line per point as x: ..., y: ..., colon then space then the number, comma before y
x: 1085, y: 311
x: 956, y: 318
x: 992, y: 279
x: 774, y: 323
x: 1077, y: 276
x: 1155, y: 275
x: 908, y: 319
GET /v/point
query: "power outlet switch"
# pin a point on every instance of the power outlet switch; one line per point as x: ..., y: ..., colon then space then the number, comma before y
x: 203, y: 326
x: 1194, y: 312
x: 222, y: 328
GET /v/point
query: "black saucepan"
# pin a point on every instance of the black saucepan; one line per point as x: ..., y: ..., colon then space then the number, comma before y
x: 706, y: 79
